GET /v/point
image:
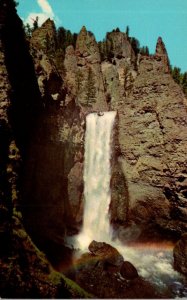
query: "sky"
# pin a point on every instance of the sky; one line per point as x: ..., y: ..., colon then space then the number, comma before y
x: 147, y: 20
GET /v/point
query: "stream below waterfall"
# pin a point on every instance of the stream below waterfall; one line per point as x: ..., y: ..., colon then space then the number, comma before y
x: 153, y: 263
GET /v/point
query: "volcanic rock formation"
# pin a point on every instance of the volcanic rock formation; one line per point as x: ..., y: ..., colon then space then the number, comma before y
x: 149, y: 159
x: 105, y: 273
x: 25, y: 271
x: 44, y: 101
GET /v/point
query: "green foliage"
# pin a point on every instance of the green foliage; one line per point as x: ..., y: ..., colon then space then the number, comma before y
x: 65, y: 38
x: 58, y: 279
x: 127, y: 31
x: 75, y: 289
x: 135, y: 44
x: 180, y: 78
x: 29, y: 29
x: 17, y: 214
x: 35, y: 23
x: 79, y: 80
x: 106, y: 47
x: 90, y: 89
x: 184, y: 83
x: 16, y: 3
x: 177, y: 76
x: 144, y: 50
x: 116, y: 30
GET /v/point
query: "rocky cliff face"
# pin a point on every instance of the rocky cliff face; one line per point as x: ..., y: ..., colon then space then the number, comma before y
x: 152, y: 136
x: 180, y: 255
x: 25, y: 272
x: 53, y: 170
x: 43, y: 107
x: 149, y: 162
x: 83, y: 74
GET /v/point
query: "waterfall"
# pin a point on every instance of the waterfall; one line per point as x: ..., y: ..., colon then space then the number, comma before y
x: 97, y: 174
x: 154, y: 264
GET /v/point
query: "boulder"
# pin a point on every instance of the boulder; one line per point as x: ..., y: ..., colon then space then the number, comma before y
x: 180, y: 255
x: 98, y: 272
x: 128, y: 271
x: 106, y: 252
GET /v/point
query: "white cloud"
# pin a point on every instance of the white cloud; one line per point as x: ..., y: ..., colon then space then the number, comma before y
x: 46, y: 8
x: 47, y: 12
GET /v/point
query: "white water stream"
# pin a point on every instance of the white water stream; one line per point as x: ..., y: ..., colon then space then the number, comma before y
x: 154, y: 264
x: 97, y: 176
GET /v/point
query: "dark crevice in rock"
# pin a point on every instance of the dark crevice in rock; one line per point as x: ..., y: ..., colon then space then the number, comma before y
x: 25, y: 97
x: 25, y: 272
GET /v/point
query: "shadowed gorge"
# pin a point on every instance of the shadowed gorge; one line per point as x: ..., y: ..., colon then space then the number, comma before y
x: 25, y: 99
x: 86, y: 126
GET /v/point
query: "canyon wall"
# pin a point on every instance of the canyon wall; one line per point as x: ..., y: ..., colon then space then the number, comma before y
x: 149, y: 160
x: 25, y: 271
x: 44, y: 101
x: 47, y: 121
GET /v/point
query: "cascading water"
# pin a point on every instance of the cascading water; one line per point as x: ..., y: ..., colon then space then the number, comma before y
x: 153, y: 264
x: 97, y: 179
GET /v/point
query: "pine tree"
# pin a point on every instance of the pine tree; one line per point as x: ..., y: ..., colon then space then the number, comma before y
x: 28, y: 30
x: 79, y: 80
x: 16, y: 3
x: 65, y: 38
x: 91, y: 90
x: 127, y: 31
x: 135, y: 45
x: 35, y: 23
x: 184, y: 83
x: 144, y: 50
x: 176, y: 73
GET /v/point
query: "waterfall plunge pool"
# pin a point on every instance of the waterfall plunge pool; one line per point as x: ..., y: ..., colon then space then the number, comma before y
x: 153, y: 263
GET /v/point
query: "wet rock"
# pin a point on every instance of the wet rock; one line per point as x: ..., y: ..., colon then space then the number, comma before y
x: 75, y: 192
x: 106, y: 252
x: 128, y: 271
x: 180, y: 255
x: 100, y: 275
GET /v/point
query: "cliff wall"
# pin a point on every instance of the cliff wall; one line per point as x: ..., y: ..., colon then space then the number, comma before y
x: 25, y: 271
x: 149, y: 161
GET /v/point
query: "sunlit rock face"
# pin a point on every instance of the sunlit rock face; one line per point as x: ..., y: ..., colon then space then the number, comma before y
x: 84, y: 79
x: 152, y: 140
x: 152, y: 137
x: 46, y: 135
x: 148, y: 177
